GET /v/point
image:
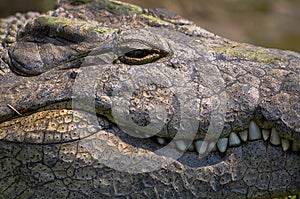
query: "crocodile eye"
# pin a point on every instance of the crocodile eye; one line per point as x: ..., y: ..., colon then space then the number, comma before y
x: 141, y: 56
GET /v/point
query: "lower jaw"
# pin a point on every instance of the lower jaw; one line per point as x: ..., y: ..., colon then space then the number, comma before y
x: 254, y: 168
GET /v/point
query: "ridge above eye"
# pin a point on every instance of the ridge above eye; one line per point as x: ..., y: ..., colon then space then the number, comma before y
x: 141, y: 56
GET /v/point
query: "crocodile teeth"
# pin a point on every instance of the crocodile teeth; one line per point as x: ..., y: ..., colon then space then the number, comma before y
x: 234, y: 140
x: 295, y: 147
x: 244, y: 135
x: 180, y: 145
x: 285, y: 144
x: 266, y: 134
x: 222, y: 144
x: 274, y: 139
x: 201, y: 146
x: 161, y: 140
x: 212, y: 146
x: 254, y: 131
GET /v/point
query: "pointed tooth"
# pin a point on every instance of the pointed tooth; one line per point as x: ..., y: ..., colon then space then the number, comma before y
x: 198, y: 145
x: 222, y: 144
x: 285, y: 144
x: 234, y: 140
x: 191, y: 147
x: 266, y: 134
x: 212, y: 147
x: 274, y: 138
x: 254, y: 131
x: 201, y: 146
x: 161, y: 140
x: 204, y: 146
x: 180, y: 145
x: 244, y: 135
x: 295, y: 146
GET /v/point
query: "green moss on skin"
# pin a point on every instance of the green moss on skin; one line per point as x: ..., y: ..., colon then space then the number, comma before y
x: 296, y: 78
x: 105, y: 30
x: 281, y: 72
x: 155, y: 19
x: 252, y: 54
x: 116, y: 6
x: 122, y: 7
x: 48, y: 20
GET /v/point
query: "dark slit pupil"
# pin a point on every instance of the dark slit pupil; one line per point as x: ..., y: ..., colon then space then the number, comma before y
x: 137, y: 54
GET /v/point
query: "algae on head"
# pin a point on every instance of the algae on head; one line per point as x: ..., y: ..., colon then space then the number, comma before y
x: 296, y: 78
x: 282, y: 72
x: 105, y: 30
x: 155, y: 19
x: 251, y: 53
x: 116, y: 6
x: 49, y: 20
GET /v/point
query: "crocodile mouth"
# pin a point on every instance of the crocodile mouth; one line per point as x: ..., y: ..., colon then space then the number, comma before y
x: 55, y: 125
x: 72, y: 137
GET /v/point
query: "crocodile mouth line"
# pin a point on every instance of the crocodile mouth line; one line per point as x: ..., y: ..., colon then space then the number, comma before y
x: 55, y: 126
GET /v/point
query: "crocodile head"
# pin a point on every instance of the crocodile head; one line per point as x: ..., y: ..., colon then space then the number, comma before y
x: 105, y: 99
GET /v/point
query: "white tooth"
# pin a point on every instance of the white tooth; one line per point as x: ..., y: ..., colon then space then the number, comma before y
x: 198, y: 145
x: 244, y: 135
x: 266, y: 134
x: 201, y: 146
x: 161, y: 140
x: 191, y: 147
x: 295, y: 146
x: 180, y: 145
x: 212, y: 147
x: 234, y: 140
x: 222, y: 144
x: 254, y: 131
x: 285, y: 144
x: 274, y: 139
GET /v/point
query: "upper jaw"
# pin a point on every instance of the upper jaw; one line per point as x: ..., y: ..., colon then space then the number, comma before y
x: 55, y: 85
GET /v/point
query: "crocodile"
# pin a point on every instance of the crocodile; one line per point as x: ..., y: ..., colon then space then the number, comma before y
x: 104, y: 99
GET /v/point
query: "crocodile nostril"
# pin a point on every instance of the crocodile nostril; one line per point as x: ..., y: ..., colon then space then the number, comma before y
x: 73, y: 75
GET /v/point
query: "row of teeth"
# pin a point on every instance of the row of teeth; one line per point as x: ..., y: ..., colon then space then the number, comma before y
x: 235, y: 139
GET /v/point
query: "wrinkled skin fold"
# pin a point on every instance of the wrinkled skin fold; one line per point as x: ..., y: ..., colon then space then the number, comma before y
x: 107, y: 100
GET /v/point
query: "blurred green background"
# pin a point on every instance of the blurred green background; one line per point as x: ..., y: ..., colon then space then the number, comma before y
x: 269, y: 23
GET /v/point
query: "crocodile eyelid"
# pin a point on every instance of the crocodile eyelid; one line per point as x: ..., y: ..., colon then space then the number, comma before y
x: 141, y: 56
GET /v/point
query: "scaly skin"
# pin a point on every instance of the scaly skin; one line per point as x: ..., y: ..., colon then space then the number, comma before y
x: 56, y: 143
